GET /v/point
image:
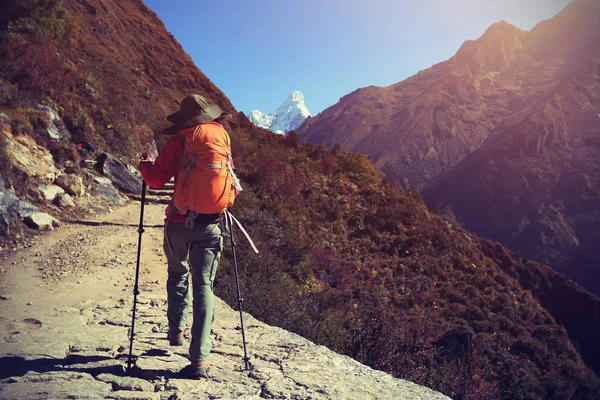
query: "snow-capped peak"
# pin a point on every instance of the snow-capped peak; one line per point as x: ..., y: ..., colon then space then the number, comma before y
x: 261, y: 119
x: 289, y: 116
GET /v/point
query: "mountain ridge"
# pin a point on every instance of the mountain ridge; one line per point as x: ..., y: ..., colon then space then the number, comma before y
x: 419, y: 131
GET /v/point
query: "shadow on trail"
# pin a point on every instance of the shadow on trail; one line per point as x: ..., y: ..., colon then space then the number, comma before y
x: 14, y: 366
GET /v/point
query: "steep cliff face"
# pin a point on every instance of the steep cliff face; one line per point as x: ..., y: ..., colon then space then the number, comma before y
x: 536, y: 186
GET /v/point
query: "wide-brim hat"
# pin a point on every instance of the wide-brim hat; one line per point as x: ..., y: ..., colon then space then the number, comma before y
x: 194, y: 110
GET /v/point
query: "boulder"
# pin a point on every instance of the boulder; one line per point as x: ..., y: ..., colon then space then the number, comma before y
x: 24, y: 154
x: 104, y: 188
x: 38, y: 220
x: 133, y: 171
x: 53, y: 131
x: 9, y: 208
x: 53, y: 124
x: 72, y: 184
x: 50, y: 192
x: 26, y: 209
x: 48, y: 112
x: 118, y: 173
x: 64, y: 200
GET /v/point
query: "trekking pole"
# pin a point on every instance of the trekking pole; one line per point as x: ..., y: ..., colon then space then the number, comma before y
x: 137, y: 272
x: 237, y: 285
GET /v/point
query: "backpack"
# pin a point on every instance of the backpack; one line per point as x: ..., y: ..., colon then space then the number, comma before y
x: 206, y: 182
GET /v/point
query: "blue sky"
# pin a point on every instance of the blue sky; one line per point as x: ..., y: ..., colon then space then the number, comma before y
x: 259, y: 51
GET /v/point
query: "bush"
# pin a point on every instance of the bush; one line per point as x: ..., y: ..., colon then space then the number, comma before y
x: 38, y: 17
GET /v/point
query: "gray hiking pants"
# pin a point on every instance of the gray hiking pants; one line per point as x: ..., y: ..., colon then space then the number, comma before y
x: 198, y: 251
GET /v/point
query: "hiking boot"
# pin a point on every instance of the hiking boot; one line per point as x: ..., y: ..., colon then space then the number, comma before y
x: 175, y: 339
x: 199, y: 369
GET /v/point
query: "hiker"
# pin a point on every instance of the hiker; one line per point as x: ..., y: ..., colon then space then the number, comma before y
x: 197, y: 155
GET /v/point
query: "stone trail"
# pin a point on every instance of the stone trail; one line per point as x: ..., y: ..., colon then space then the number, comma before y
x: 68, y: 338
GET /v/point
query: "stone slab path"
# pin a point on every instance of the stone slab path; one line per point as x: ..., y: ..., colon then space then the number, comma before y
x: 65, y: 313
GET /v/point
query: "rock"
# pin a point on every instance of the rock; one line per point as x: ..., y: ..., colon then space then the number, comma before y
x: 50, y: 192
x: 54, y: 122
x: 69, y: 167
x: 53, y: 131
x: 26, y: 209
x: 126, y: 383
x: 48, y: 112
x: 125, y: 395
x: 118, y: 173
x: 24, y: 154
x: 72, y: 184
x: 9, y: 207
x: 64, y: 200
x: 89, y: 164
x: 61, y: 385
x: 153, y: 368
x: 104, y: 187
x: 38, y: 220
x: 133, y: 171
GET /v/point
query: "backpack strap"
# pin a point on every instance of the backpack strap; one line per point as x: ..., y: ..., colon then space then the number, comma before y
x: 229, y: 220
x: 188, y: 161
x: 236, y: 182
x: 189, y: 220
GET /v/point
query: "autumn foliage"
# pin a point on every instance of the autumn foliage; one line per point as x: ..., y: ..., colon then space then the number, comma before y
x: 352, y: 262
x: 347, y: 259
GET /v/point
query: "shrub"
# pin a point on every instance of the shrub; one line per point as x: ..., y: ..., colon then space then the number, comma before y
x: 38, y: 17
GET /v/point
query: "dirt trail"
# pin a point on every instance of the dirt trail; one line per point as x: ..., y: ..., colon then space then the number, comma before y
x: 65, y: 312
x: 74, y: 265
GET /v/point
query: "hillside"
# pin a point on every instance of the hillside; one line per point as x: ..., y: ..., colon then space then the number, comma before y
x: 347, y: 259
x: 115, y: 71
x: 502, y: 136
x: 536, y: 187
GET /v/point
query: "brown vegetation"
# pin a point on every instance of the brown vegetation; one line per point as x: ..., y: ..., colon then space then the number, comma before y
x: 503, y: 136
x: 347, y: 258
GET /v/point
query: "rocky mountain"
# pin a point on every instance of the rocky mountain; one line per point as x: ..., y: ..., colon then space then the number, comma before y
x: 261, y: 119
x: 503, y: 136
x: 347, y: 259
x: 288, y: 117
